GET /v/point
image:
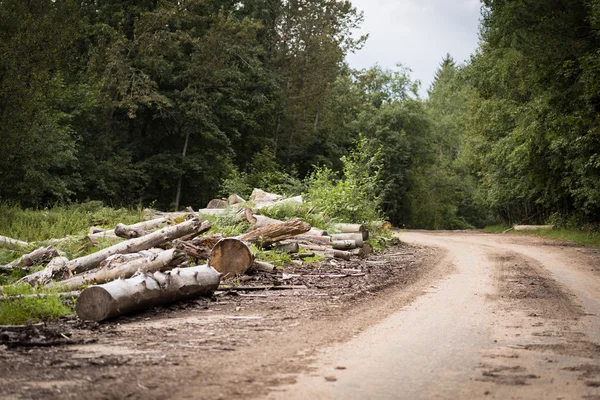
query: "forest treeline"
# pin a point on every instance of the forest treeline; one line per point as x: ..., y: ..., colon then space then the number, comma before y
x: 170, y: 103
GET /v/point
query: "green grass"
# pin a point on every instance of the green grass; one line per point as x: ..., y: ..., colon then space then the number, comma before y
x: 17, y: 311
x: 32, y: 225
x: 589, y: 239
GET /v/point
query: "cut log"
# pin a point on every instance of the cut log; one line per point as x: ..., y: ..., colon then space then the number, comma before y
x: 363, y: 251
x: 38, y: 256
x: 315, y: 247
x: 275, y: 233
x: 260, y: 196
x: 357, y: 237
x: 129, y: 232
x: 290, y: 247
x: 532, y: 227
x: 6, y: 241
x: 231, y: 257
x: 343, y: 244
x: 235, y: 199
x: 143, y: 291
x: 141, y: 226
x: 260, y: 221
x: 320, y: 240
x: 158, y: 260
x: 206, y: 241
x: 217, y: 204
x: 352, y: 228
x: 154, y: 239
x: 262, y: 267
x: 344, y: 255
x: 316, y: 232
x: 291, y: 200
x: 56, y: 270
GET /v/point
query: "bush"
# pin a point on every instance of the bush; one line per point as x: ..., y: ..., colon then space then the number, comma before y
x: 354, y: 197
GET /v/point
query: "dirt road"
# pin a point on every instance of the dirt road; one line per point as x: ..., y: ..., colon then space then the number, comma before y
x: 513, y: 317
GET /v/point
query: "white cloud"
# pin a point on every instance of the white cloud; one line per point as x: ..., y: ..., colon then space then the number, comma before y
x: 417, y: 33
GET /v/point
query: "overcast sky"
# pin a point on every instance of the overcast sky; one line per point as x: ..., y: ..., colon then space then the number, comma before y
x: 417, y: 33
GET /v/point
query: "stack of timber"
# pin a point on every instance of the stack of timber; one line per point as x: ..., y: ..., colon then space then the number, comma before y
x: 172, y: 256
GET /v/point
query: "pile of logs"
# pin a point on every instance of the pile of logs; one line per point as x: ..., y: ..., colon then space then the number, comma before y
x: 151, y: 268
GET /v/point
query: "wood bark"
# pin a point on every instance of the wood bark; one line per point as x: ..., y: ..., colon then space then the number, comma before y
x: 38, y: 256
x: 275, y: 233
x: 363, y: 251
x: 154, y: 239
x: 231, y: 256
x: 142, y: 226
x: 97, y: 303
x: 357, y: 237
x: 158, y: 260
x: 320, y: 240
x: 344, y: 255
x: 56, y: 270
x: 343, y: 244
x: 6, y: 241
x: 352, y: 228
x: 262, y: 267
x: 129, y: 232
x: 290, y: 247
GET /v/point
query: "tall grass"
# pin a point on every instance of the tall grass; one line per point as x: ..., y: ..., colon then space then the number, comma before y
x: 584, y: 238
x: 57, y: 222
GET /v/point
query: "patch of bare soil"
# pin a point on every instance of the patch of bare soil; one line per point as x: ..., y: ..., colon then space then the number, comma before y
x: 232, y: 346
x: 525, y: 284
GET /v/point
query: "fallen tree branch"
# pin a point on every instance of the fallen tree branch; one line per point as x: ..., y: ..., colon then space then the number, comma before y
x: 6, y: 241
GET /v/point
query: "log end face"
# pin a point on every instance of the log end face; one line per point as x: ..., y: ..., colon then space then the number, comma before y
x: 231, y: 257
x: 94, y: 304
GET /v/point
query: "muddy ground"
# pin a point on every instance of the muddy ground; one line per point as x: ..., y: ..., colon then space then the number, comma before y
x: 237, y: 345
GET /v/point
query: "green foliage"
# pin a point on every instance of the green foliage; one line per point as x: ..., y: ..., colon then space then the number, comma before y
x: 228, y: 224
x: 354, y: 197
x: 59, y: 221
x: 25, y: 310
x: 305, y: 211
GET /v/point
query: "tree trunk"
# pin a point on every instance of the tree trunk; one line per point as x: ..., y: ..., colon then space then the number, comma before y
x: 532, y: 227
x: 275, y: 233
x: 180, y: 178
x: 320, y: 240
x: 262, y: 267
x: 143, y: 291
x: 56, y: 270
x: 154, y: 239
x: 142, y: 226
x: 157, y: 260
x: 38, y: 256
x: 6, y: 241
x: 231, y: 257
x: 290, y: 247
x: 352, y: 228
x: 343, y: 244
x: 129, y: 232
x: 344, y: 255
x: 357, y: 237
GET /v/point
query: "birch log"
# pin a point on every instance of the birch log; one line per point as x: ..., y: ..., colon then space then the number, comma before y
x: 357, y: 237
x: 6, y: 241
x: 56, y: 270
x: 275, y: 233
x: 154, y: 239
x: 158, y: 260
x: 352, y: 228
x: 142, y: 226
x: 38, y: 256
x: 97, y: 303
x: 532, y: 227
x: 320, y: 240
